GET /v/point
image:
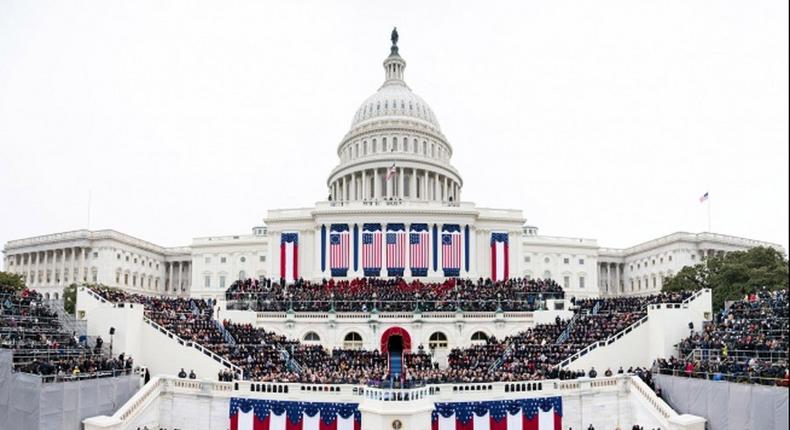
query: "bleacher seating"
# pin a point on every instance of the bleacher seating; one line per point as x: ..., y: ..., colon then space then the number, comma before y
x: 40, y: 345
x: 746, y: 342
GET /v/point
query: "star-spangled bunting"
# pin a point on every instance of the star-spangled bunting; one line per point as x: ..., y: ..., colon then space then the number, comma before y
x: 522, y: 414
x: 286, y: 415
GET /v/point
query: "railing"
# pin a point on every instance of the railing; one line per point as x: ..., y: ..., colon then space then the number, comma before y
x: 658, y: 405
x: 354, y: 393
x: 97, y: 296
x: 696, y: 295
x: 739, y: 355
x: 191, y: 344
x: 567, y: 332
x: 611, y: 339
x: 364, y: 316
x: 140, y: 400
x: 746, y: 377
x: 82, y: 376
x: 225, y: 334
x: 608, y: 341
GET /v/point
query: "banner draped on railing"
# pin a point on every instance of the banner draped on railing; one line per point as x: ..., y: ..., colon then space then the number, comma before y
x: 289, y: 256
x: 520, y: 414
x: 339, y: 249
x: 419, y: 238
x: 254, y: 414
x: 371, y: 249
x: 396, y: 249
x: 499, y: 256
x: 451, y: 249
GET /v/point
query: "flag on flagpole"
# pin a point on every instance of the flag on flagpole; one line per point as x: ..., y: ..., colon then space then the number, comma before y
x: 704, y: 197
x: 391, y: 171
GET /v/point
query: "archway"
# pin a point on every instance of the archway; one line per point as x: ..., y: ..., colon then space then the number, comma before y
x: 405, y: 339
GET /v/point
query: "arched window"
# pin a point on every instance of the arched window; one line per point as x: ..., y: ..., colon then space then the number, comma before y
x: 547, y: 275
x: 56, y: 296
x: 437, y: 340
x: 311, y: 336
x: 352, y: 341
x: 479, y: 337
x: 242, y: 275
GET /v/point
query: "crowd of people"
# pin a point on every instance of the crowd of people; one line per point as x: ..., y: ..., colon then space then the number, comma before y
x: 264, y: 356
x: 366, y: 294
x: 41, y: 346
x: 746, y: 342
x: 536, y: 352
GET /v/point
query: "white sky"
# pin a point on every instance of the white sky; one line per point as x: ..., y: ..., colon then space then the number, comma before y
x: 603, y: 119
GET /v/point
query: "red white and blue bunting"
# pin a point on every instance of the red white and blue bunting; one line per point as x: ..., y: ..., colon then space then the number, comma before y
x: 289, y: 256
x: 522, y: 414
x: 500, y: 256
x: 252, y: 414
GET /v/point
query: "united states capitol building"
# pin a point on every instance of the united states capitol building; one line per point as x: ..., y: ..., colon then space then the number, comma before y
x: 394, y: 210
x: 394, y: 176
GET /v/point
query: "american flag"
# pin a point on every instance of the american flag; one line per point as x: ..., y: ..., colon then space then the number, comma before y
x: 391, y: 172
x: 396, y: 249
x: 451, y: 252
x: 371, y: 251
x: 254, y: 414
x: 338, y: 251
x: 418, y: 252
x: 520, y: 414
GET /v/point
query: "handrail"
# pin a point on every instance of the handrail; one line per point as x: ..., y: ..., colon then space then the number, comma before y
x: 603, y: 342
x: 142, y: 398
x: 695, y: 295
x: 658, y: 404
x: 190, y: 343
x: 611, y: 339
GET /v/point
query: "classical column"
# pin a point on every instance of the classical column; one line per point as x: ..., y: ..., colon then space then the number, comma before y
x: 62, y: 266
x: 353, y: 187
x: 364, y: 186
x: 387, y: 186
x: 413, y: 184
x: 436, y: 196
x: 376, y: 184
x: 401, y: 193
x: 169, y: 283
x: 84, y: 264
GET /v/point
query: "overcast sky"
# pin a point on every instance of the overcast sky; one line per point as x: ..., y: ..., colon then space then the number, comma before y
x: 605, y: 119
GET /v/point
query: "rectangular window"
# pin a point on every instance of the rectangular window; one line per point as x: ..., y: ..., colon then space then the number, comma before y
x: 566, y: 282
x: 581, y: 281
x: 527, y: 259
x: 208, y: 260
x: 208, y: 281
x: 566, y: 260
x: 262, y: 258
x: 223, y: 260
x: 95, y: 254
x: 222, y: 282
x: 581, y: 261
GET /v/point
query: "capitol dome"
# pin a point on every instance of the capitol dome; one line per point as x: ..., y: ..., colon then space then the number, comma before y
x: 394, y: 150
x: 395, y: 99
